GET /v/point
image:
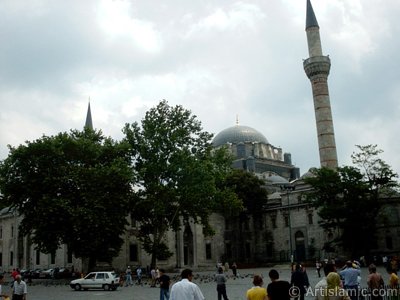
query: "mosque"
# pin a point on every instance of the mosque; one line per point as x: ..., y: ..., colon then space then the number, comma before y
x: 288, y: 229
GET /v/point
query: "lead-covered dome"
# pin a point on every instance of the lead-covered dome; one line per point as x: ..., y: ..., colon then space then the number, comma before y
x: 238, y: 134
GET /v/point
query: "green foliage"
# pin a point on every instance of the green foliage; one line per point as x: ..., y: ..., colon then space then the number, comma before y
x: 349, y: 199
x: 177, y: 173
x: 73, y: 189
x: 377, y: 172
x: 249, y: 189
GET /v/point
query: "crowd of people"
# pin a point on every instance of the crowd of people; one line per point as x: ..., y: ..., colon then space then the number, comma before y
x: 335, y: 284
x: 19, y: 289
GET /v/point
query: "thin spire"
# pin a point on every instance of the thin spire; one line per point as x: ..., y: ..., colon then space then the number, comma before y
x: 311, y: 20
x: 88, y: 123
x: 237, y: 119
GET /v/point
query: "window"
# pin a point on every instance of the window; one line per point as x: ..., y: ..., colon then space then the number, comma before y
x: 241, y: 150
x: 208, y: 251
x: 69, y: 256
x: 1, y: 232
x: 100, y: 276
x: 53, y: 258
x: 273, y: 221
x: 1, y: 258
x: 12, y: 231
x: 37, y: 257
x: 286, y: 221
x: 133, y: 252
x: 11, y: 258
x: 310, y: 219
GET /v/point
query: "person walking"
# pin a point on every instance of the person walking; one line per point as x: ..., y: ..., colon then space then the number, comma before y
x: 299, y: 279
x: 257, y: 292
x: 375, y: 282
x: 393, y: 284
x: 234, y: 269
x: 164, y: 281
x: 19, y: 290
x: 14, y: 274
x: 332, y: 291
x: 153, y: 275
x: 277, y: 289
x: 185, y: 289
x: 139, y: 275
x: 2, y: 295
x: 318, y: 267
x: 350, y: 276
x: 322, y: 284
x: 393, y: 278
x: 220, y: 278
x: 128, y: 276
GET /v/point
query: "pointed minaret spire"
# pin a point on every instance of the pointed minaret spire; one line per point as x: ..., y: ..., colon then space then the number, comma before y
x: 88, y: 123
x: 311, y: 20
x: 317, y: 68
x: 237, y: 119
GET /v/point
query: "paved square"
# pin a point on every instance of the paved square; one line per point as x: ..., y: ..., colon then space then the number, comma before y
x: 236, y: 288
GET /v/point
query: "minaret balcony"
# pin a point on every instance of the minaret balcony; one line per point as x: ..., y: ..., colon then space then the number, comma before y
x: 317, y: 65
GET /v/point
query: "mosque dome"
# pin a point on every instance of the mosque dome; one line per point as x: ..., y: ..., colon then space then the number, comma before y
x: 239, y: 134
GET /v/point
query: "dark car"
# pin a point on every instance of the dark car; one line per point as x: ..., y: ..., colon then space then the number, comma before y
x: 36, y: 273
x: 63, y: 273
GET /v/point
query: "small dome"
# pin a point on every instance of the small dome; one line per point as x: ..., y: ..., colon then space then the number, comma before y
x: 308, y: 174
x: 239, y: 134
x: 276, y: 180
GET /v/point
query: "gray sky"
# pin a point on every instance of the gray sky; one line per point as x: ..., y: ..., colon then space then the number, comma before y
x: 217, y: 58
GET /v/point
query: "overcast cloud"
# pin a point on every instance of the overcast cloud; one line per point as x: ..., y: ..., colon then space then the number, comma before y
x: 217, y: 58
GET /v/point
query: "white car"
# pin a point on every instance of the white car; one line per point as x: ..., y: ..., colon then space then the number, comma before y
x: 96, y: 280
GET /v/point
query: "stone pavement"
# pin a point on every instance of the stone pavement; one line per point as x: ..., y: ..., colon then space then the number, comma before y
x: 236, y: 288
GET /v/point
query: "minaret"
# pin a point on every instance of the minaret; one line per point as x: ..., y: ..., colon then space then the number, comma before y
x: 317, y: 69
x: 88, y: 123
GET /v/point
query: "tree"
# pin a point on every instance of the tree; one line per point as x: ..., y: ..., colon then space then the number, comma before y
x: 178, y: 175
x: 349, y: 199
x: 249, y: 189
x: 73, y: 189
x: 254, y: 196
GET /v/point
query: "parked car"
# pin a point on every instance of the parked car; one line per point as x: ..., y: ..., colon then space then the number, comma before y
x: 27, y: 275
x: 46, y: 273
x: 36, y: 273
x: 96, y: 280
x: 63, y: 273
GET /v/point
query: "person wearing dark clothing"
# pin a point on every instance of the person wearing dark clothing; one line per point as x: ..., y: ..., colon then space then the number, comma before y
x: 220, y: 278
x: 277, y: 289
x: 234, y: 269
x: 375, y: 283
x: 300, y: 280
x: 164, y: 285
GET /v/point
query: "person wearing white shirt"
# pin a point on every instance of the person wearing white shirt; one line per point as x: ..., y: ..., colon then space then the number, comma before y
x: 322, y: 284
x: 19, y: 289
x: 186, y: 289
